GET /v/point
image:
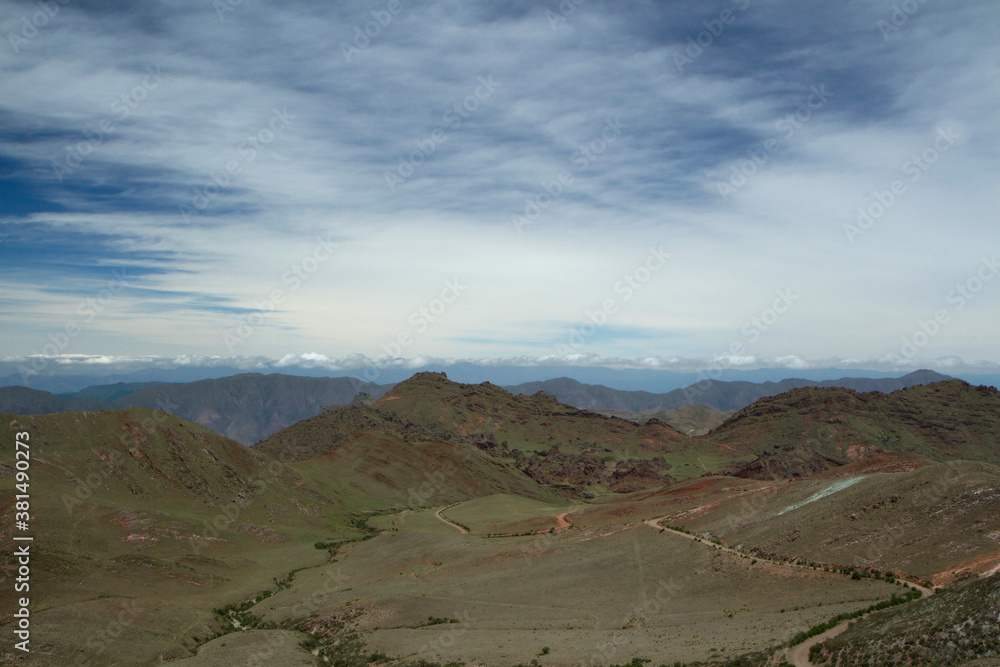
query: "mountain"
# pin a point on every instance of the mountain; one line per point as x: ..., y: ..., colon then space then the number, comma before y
x: 250, y: 407
x: 688, y: 419
x: 246, y: 408
x: 555, y: 444
x: 712, y: 393
x: 110, y: 393
x: 25, y: 401
x: 941, y: 421
x: 446, y: 522
x: 430, y: 406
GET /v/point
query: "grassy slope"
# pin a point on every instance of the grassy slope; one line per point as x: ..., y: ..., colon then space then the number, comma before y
x: 936, y: 522
x: 155, y: 480
x: 382, y: 471
x: 949, y: 628
x: 505, y: 514
x: 942, y: 421
x: 136, y: 507
x: 604, y: 592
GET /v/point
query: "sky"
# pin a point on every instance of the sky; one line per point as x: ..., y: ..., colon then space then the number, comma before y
x: 651, y: 184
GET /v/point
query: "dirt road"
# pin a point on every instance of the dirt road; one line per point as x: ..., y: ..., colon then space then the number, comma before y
x: 798, y: 655
x: 562, y: 523
x: 460, y: 528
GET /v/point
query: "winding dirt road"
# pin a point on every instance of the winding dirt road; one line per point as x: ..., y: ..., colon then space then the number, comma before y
x: 562, y: 523
x: 438, y: 515
x: 798, y: 655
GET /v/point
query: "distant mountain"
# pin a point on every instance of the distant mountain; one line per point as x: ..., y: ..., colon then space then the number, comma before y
x: 246, y: 408
x: 250, y: 407
x: 71, y: 375
x: 715, y: 394
x: 688, y: 419
x: 111, y: 392
x: 941, y: 421
x: 25, y: 401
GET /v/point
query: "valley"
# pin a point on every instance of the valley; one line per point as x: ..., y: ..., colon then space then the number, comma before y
x: 462, y: 524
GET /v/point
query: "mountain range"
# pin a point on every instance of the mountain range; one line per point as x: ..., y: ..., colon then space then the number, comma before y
x: 251, y: 406
x: 434, y: 522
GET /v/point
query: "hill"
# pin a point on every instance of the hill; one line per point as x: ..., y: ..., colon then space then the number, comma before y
x: 953, y: 627
x: 250, y: 407
x: 715, y: 394
x: 143, y: 509
x: 555, y: 444
x: 497, y: 516
x: 941, y: 421
x: 380, y: 471
x: 933, y: 521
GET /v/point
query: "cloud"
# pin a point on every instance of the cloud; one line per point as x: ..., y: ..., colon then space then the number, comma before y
x: 208, y: 152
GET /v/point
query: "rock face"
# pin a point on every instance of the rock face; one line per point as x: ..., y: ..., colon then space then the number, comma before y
x: 577, y: 472
x: 786, y: 463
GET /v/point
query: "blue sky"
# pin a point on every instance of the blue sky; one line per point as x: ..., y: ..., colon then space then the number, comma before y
x: 652, y: 184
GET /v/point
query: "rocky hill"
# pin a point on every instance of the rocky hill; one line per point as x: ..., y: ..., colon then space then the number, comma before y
x: 554, y: 443
x: 941, y: 421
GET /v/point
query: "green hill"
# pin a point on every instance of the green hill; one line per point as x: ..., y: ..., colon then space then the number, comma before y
x: 141, y: 509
